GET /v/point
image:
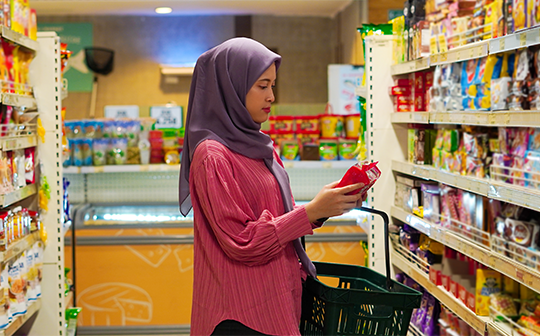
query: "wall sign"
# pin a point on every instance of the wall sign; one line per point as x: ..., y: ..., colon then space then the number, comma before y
x: 77, y: 36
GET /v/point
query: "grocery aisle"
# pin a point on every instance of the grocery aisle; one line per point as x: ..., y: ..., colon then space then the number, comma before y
x: 458, y: 126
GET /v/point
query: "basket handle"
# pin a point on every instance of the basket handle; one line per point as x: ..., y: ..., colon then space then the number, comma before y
x: 386, y: 244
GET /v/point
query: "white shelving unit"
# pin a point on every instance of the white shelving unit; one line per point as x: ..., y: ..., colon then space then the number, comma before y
x: 46, y: 79
x: 477, y: 118
x: 384, y: 143
x: 387, y: 143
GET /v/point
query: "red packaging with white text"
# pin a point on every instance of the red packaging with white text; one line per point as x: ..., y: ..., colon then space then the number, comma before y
x: 366, y: 173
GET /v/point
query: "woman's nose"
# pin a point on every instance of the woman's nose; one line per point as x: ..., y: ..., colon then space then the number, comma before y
x: 271, y: 98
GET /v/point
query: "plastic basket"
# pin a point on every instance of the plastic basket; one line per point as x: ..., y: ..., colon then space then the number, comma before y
x: 363, y: 303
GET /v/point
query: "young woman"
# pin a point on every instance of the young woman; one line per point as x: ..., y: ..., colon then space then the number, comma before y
x: 247, y: 276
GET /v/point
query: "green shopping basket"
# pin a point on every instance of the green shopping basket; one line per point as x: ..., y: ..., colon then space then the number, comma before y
x: 364, y: 302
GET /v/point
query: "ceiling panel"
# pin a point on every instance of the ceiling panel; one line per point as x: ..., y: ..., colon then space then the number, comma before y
x: 321, y: 8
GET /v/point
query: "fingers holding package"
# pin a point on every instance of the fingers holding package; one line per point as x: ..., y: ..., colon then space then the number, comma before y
x: 333, y: 201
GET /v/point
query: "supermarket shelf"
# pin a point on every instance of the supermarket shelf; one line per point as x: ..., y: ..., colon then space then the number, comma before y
x: 525, y: 197
x: 514, y: 41
x: 411, y: 66
x: 511, y: 268
x: 479, y: 323
x: 121, y: 169
x: 463, y: 53
x: 410, y: 117
x: 172, y: 168
x: 20, y: 320
x: 17, y: 195
x: 19, y: 246
x: 414, y: 331
x: 486, y: 118
x: 479, y: 118
x: 20, y: 39
x: 500, y: 329
x: 13, y: 99
x: 8, y: 144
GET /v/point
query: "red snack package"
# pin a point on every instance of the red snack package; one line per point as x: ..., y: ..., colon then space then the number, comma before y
x: 366, y: 173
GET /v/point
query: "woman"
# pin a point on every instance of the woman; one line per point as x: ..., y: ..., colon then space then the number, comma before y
x: 247, y: 279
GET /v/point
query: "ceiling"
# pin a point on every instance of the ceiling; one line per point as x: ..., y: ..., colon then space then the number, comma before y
x: 320, y: 8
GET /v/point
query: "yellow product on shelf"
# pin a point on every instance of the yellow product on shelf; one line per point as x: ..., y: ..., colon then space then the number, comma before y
x: 487, y: 282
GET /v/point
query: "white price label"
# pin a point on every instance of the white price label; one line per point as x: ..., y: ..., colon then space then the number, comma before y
x: 167, y: 117
x: 122, y: 111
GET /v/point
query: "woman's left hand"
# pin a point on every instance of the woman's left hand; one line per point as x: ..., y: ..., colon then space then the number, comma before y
x: 361, y: 200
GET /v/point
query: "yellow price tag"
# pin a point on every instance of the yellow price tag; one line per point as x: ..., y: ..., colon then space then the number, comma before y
x: 458, y: 56
x: 522, y: 39
x: 99, y: 169
x: 502, y: 43
x: 444, y: 57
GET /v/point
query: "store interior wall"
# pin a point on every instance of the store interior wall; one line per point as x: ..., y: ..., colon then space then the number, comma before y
x: 307, y: 45
x: 378, y: 10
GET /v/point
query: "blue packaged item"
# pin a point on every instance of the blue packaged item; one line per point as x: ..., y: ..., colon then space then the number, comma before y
x: 534, y: 140
x: 86, y: 148
x: 77, y: 153
x: 532, y: 169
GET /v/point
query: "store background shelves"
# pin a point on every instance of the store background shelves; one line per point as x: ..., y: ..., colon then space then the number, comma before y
x: 515, y: 41
x: 410, y: 117
x: 18, y: 100
x: 27, y: 141
x: 18, y: 322
x: 418, y: 273
x: 510, y: 193
x: 411, y: 66
x: 20, y: 39
x: 511, y: 268
x: 477, y: 118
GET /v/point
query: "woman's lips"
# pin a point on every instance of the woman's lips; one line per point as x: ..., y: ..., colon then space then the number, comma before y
x: 266, y: 109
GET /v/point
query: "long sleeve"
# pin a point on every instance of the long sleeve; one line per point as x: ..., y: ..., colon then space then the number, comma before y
x: 243, y: 234
x: 245, y: 264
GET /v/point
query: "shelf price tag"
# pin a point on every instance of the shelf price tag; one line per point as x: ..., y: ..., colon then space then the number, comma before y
x: 522, y: 39
x: 502, y: 43
x: 167, y: 116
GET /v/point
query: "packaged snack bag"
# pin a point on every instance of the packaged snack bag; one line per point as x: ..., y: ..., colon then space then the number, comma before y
x: 488, y: 282
x: 366, y: 173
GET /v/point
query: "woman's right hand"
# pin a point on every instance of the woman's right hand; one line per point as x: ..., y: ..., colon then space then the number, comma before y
x: 331, y: 202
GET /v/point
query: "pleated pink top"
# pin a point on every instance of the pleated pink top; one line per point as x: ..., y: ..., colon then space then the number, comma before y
x: 245, y: 266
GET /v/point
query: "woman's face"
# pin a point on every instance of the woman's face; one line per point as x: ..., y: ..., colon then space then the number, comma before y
x: 261, y: 95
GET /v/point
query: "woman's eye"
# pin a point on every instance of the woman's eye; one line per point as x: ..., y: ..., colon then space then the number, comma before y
x: 264, y: 87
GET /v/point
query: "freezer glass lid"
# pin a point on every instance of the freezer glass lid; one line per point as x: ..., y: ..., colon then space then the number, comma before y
x: 136, y: 214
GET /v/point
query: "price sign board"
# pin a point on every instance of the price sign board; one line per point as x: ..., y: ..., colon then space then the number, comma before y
x: 167, y: 116
x: 122, y: 111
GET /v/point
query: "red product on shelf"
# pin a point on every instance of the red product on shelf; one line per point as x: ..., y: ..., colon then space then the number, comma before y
x: 281, y: 123
x: 402, y: 82
x: 307, y: 123
x: 400, y: 90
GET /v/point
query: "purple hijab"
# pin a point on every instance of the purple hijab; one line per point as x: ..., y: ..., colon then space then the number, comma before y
x: 217, y: 111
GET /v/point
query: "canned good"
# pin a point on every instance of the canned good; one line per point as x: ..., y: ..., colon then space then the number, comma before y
x: 331, y: 125
x: 307, y: 123
x: 281, y: 123
x: 352, y: 125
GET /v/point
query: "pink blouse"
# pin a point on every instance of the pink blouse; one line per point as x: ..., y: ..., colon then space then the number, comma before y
x: 245, y: 265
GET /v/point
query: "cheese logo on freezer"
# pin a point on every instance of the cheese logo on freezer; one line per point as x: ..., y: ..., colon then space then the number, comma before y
x: 114, y: 303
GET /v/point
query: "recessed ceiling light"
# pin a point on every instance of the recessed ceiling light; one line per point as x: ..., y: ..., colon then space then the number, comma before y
x: 163, y: 10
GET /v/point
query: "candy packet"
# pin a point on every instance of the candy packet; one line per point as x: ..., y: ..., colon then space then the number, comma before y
x: 366, y: 173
